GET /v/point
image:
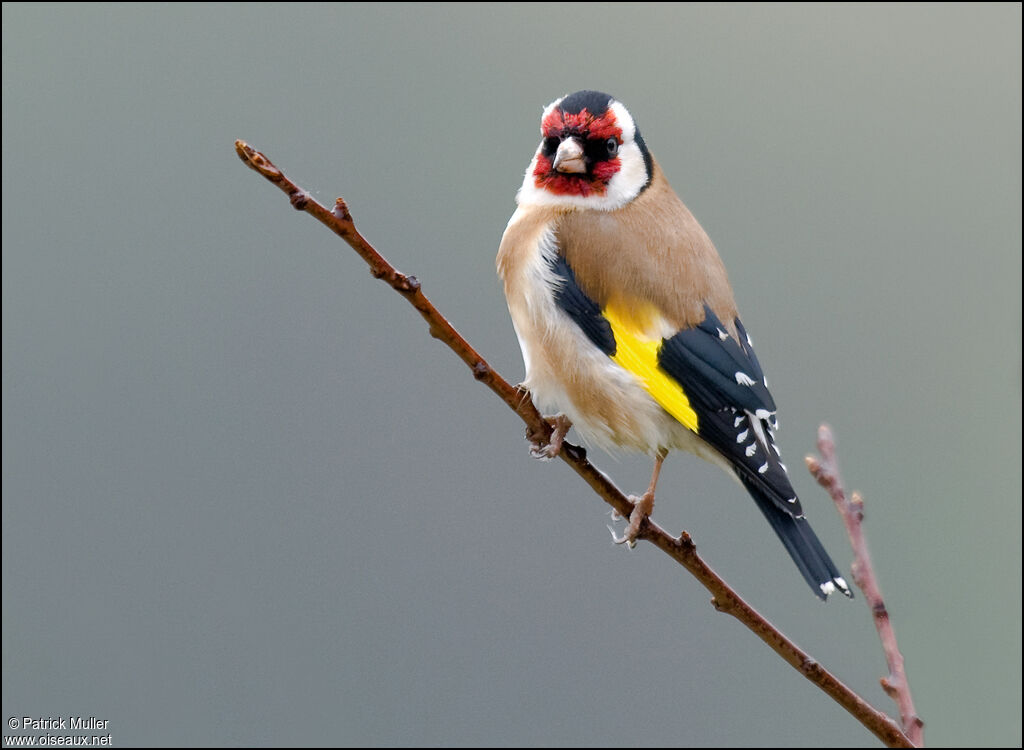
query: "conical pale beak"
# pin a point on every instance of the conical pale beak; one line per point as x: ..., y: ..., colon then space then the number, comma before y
x: 569, y: 157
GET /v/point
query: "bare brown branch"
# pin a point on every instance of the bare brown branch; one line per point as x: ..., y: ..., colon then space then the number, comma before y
x: 681, y: 549
x: 826, y: 471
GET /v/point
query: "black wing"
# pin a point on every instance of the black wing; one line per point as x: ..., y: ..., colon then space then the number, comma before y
x: 735, y: 411
x: 736, y: 415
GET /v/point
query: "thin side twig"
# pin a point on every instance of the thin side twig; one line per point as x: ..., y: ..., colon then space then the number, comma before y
x: 896, y: 685
x: 681, y: 549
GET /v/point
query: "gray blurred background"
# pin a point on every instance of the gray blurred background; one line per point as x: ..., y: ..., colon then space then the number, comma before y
x: 247, y: 500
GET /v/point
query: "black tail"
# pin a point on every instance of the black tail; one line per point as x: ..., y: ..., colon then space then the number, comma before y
x: 802, y: 544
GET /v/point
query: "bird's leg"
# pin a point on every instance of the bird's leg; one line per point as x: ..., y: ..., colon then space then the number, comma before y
x: 643, y: 506
x: 547, y: 450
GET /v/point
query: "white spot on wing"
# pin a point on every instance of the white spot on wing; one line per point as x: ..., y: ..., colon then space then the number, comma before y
x: 751, y: 449
x: 743, y: 379
x: 722, y: 334
x: 742, y: 436
x: 738, y: 421
x: 758, y: 429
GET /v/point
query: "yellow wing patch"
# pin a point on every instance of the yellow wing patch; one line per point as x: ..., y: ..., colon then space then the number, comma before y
x: 638, y: 353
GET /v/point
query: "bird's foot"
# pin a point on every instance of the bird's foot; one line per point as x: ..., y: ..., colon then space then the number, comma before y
x: 545, y: 450
x: 643, y: 506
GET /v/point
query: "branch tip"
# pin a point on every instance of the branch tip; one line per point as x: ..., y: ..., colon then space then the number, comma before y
x: 243, y: 149
x: 851, y: 510
x: 255, y: 160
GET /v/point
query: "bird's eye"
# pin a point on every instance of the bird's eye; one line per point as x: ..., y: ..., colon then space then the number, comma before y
x: 549, y: 146
x: 612, y: 144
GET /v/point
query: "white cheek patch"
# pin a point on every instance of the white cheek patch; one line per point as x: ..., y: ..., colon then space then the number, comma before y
x: 626, y: 184
x: 625, y: 121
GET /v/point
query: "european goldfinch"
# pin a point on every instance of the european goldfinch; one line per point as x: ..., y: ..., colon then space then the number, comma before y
x: 627, y: 322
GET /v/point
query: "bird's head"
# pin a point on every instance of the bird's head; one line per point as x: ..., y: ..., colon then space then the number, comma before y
x: 591, y: 155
